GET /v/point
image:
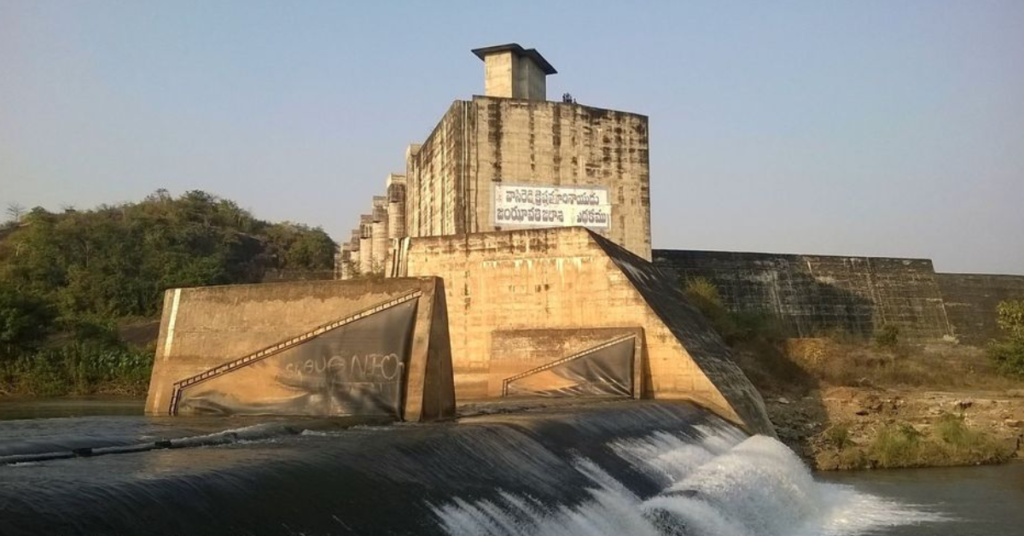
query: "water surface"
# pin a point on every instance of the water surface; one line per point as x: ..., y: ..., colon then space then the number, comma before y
x: 634, y: 467
x: 975, y: 501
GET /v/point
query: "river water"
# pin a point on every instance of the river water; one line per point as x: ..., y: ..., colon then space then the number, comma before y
x: 643, y: 468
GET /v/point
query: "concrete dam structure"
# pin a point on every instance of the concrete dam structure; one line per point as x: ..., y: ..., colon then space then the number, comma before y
x: 531, y: 221
x: 525, y: 301
x: 814, y: 295
x: 516, y: 249
x: 323, y: 348
x: 537, y: 216
x: 511, y: 159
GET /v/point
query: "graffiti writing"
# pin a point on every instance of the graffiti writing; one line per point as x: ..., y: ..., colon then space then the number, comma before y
x: 369, y: 368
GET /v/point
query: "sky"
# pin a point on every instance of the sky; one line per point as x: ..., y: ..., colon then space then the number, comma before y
x: 882, y: 128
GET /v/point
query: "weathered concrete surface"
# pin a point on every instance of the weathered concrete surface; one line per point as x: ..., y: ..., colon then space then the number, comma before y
x: 815, y: 294
x: 971, y: 301
x: 510, y: 71
x: 512, y: 138
x: 480, y: 144
x: 396, y: 206
x: 222, y: 330
x: 557, y: 281
x: 366, y: 253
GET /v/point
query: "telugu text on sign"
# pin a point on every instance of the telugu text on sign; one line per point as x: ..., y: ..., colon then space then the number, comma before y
x: 552, y: 206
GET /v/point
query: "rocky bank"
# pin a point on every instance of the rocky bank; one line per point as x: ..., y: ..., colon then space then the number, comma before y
x: 839, y: 427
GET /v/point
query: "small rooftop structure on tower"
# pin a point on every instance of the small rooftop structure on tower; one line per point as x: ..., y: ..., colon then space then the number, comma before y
x: 513, y: 72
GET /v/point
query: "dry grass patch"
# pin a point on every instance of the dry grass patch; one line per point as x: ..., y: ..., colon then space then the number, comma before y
x: 844, y: 363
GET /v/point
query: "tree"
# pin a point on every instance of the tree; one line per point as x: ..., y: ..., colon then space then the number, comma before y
x: 25, y: 321
x: 15, y: 211
x: 1008, y: 353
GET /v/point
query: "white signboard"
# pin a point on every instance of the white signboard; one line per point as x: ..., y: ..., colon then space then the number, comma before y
x: 552, y: 206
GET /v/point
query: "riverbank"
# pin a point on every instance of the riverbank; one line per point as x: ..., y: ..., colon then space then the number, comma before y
x: 844, y: 404
x: 864, y: 428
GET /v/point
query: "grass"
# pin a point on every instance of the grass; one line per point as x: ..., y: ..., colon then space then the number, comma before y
x: 896, y: 446
x: 845, y: 363
x: 838, y: 435
x: 78, y: 368
x: 949, y: 441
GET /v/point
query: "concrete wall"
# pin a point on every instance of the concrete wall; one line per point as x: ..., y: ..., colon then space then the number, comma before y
x: 379, y: 233
x: 971, y: 301
x: 235, y: 335
x: 499, y: 78
x: 366, y: 253
x: 512, y: 76
x: 396, y: 208
x: 571, y: 279
x: 436, y: 172
x: 814, y: 294
x: 489, y: 141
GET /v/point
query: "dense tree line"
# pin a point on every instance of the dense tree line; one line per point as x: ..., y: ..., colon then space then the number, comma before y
x: 70, y: 278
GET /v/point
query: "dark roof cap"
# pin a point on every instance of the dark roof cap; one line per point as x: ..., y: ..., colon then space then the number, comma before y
x: 519, y: 51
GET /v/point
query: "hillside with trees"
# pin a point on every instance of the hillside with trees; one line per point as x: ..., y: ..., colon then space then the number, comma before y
x: 72, y: 284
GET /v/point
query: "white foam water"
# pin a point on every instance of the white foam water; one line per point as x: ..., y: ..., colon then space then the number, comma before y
x: 717, y: 482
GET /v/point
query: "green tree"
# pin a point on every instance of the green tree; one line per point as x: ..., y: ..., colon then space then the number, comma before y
x: 1008, y: 353
x: 24, y: 321
x: 68, y: 279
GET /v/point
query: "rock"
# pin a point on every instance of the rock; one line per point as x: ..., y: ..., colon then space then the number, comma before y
x: 1013, y: 423
x: 782, y: 400
x: 963, y: 404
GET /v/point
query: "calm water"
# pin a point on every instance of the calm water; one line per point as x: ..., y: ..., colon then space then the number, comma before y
x: 977, y: 501
x: 642, y: 468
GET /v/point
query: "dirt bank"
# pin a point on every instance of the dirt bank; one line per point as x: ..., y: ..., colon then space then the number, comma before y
x: 843, y: 404
x: 854, y: 428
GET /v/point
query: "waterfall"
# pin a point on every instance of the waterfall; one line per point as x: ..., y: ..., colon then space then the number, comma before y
x: 714, y: 481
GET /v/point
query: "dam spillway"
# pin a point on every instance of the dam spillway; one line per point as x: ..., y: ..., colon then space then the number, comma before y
x: 637, y: 467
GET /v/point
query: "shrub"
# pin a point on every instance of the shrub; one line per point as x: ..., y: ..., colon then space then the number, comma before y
x: 79, y: 368
x: 1011, y: 318
x: 838, y: 435
x: 753, y: 325
x: 896, y: 446
x: 888, y: 336
x: 704, y: 295
x: 1008, y: 356
x: 952, y: 430
x: 1008, y: 353
x: 734, y: 327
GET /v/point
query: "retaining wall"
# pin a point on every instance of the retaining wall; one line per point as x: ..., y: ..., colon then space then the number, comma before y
x: 305, y: 348
x: 815, y: 294
x: 971, y: 301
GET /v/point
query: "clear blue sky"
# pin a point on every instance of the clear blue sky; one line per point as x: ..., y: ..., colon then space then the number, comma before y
x: 863, y: 127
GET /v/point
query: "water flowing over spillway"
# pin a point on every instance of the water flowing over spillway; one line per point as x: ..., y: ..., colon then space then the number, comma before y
x: 642, y: 468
